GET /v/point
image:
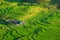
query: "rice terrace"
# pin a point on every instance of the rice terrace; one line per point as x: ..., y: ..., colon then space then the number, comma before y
x: 29, y: 19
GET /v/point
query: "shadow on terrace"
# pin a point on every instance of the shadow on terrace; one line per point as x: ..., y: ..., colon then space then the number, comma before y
x: 3, y: 22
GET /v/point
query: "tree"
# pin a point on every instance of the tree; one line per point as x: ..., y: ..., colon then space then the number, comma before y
x: 54, y: 2
x: 31, y: 1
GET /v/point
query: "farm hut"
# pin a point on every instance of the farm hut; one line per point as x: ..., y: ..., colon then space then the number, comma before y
x: 13, y: 21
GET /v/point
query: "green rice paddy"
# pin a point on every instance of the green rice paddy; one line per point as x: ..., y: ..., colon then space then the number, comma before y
x: 41, y: 23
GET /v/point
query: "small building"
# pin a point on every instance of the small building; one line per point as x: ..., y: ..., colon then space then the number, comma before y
x: 9, y: 21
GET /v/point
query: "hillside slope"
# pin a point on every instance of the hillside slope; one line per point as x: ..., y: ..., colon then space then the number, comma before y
x: 41, y: 23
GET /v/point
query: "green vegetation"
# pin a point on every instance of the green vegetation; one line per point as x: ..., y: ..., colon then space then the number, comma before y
x: 42, y: 20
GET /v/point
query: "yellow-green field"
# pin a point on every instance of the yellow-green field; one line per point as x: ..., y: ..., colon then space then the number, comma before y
x: 41, y: 23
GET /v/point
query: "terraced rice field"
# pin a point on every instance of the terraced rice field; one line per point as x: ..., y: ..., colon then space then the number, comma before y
x: 41, y: 23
